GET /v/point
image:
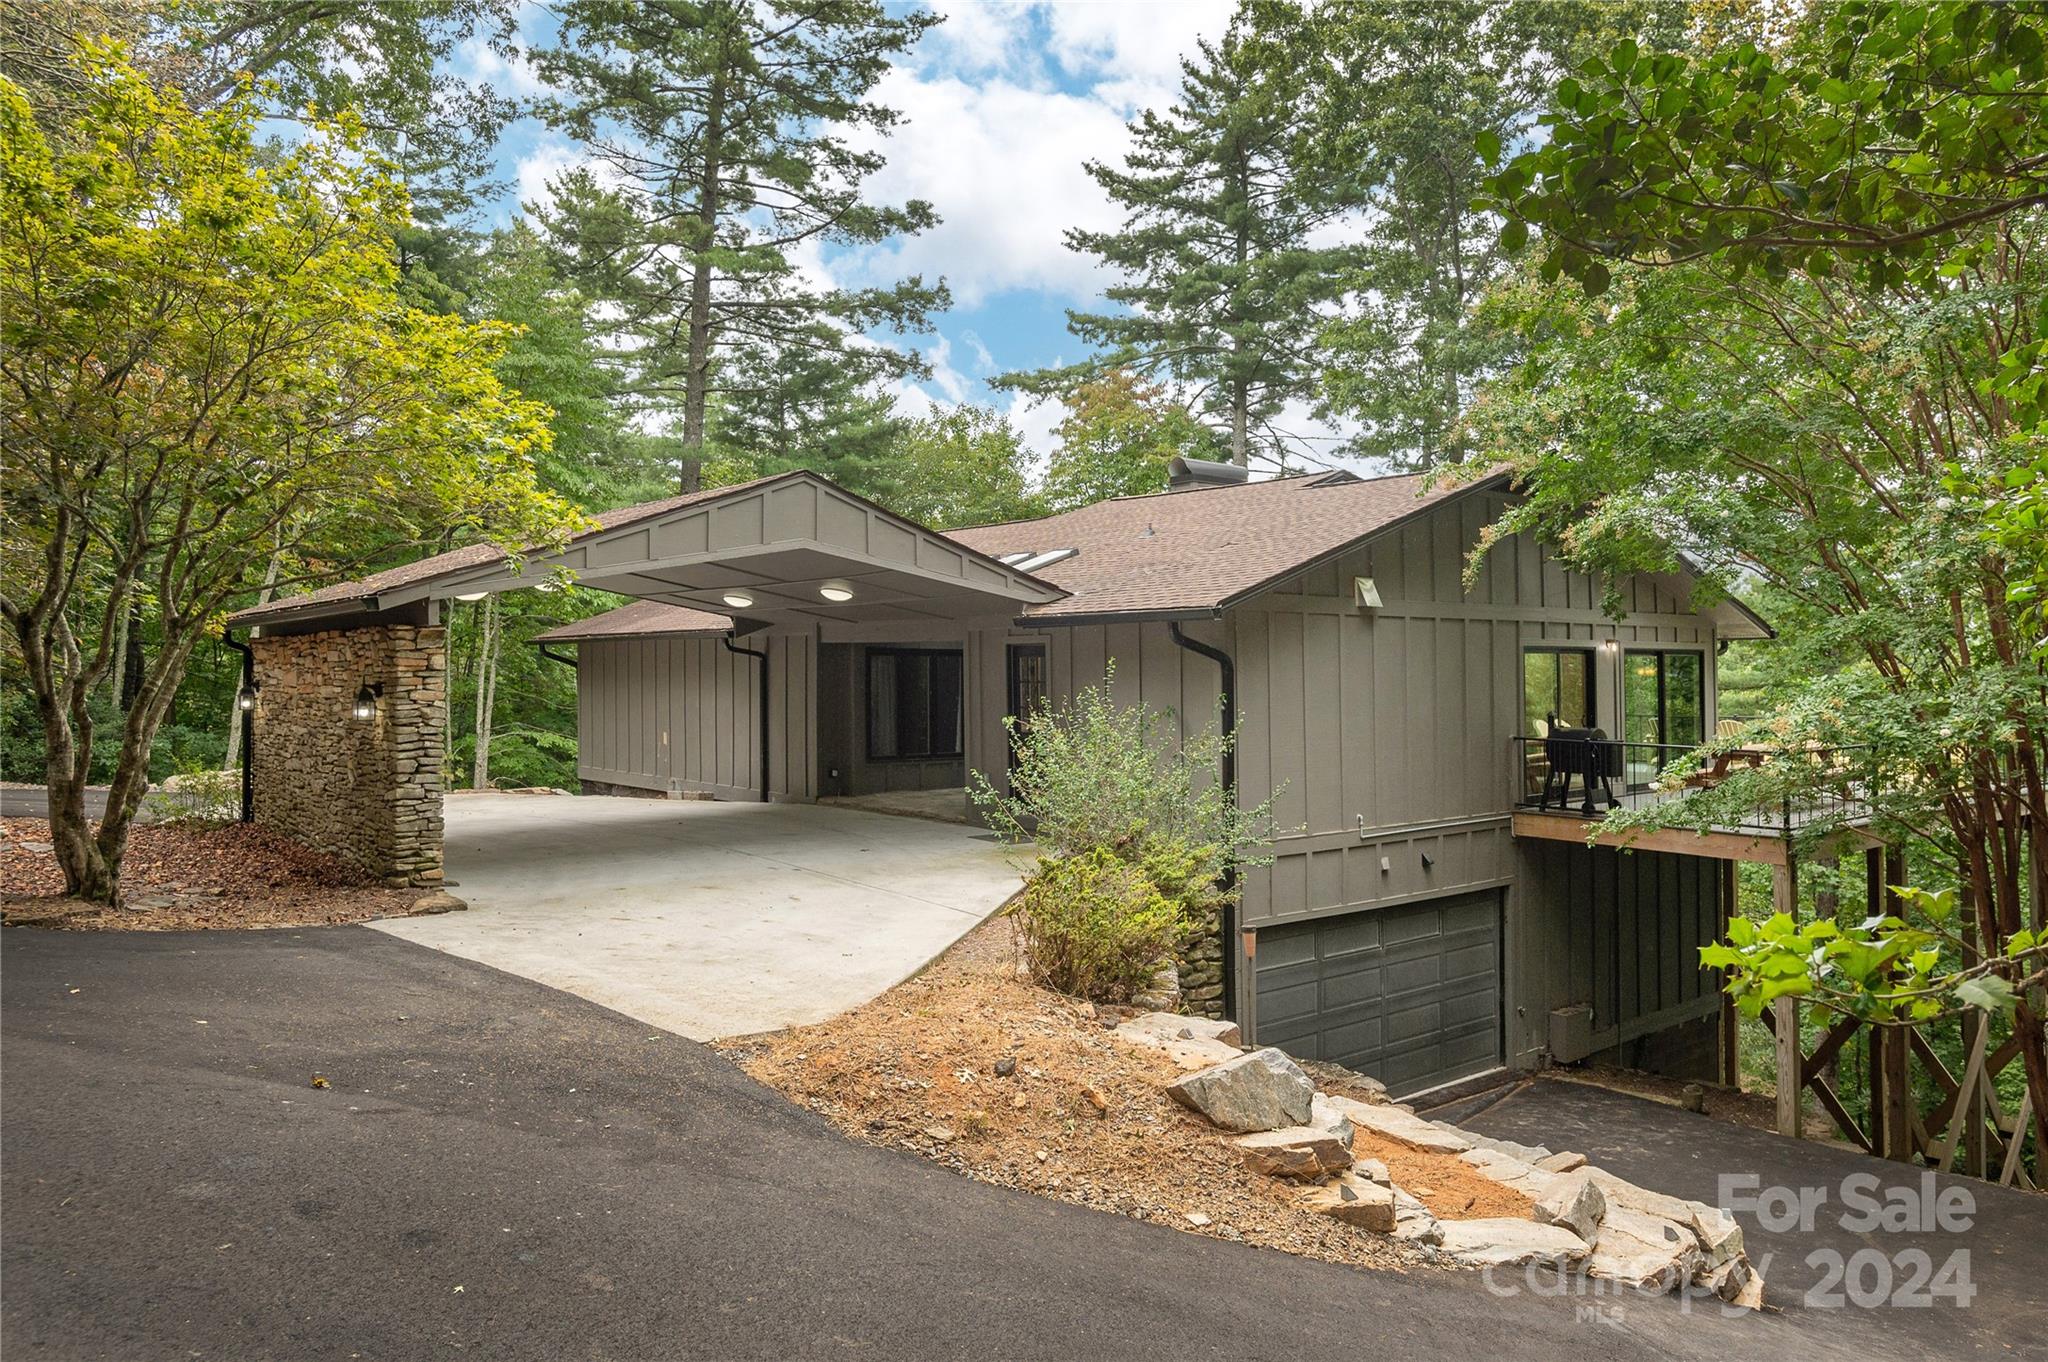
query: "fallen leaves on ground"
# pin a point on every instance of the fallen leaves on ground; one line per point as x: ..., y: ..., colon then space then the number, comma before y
x: 1080, y: 1116
x: 193, y: 876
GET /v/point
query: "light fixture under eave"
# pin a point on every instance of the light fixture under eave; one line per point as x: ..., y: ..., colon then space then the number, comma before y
x: 245, y: 699
x: 365, y: 706
x: 473, y: 596
x: 835, y: 591
x: 738, y: 600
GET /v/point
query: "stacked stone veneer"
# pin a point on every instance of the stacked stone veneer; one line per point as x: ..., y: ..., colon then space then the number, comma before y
x: 1199, y: 958
x: 365, y: 790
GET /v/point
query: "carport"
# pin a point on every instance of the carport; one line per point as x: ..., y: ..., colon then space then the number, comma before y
x: 348, y: 684
x: 709, y: 918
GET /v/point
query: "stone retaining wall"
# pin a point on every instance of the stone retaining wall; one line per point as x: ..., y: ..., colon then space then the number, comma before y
x: 368, y: 791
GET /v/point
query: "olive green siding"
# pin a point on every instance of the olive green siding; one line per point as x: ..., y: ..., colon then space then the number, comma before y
x: 681, y: 715
x: 1620, y: 932
x: 1388, y: 732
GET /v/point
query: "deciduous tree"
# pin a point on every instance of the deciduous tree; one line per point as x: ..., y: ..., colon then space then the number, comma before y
x: 206, y: 357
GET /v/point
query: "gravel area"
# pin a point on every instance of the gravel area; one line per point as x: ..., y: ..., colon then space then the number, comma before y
x: 1081, y: 1116
x: 192, y: 876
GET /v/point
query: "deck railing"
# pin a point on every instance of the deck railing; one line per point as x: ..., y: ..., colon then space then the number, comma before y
x: 1794, y: 787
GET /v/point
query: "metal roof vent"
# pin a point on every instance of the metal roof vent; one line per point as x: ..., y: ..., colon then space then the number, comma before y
x: 1184, y: 473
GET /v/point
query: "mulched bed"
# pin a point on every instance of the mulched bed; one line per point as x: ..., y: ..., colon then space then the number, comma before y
x: 1081, y: 1117
x: 193, y: 876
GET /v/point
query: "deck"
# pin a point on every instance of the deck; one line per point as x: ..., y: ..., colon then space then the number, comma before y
x: 1633, y: 782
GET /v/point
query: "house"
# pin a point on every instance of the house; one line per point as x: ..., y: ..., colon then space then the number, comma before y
x: 1429, y: 913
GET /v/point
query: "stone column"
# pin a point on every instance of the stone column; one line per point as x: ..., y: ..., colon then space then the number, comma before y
x: 366, y: 790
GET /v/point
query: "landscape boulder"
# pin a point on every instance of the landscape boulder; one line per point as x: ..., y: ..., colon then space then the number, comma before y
x: 1264, y: 1090
x: 1503, y: 1242
x: 1398, y: 1123
x: 1720, y: 1238
x: 1355, y: 1201
x: 1576, y: 1203
x: 1413, y: 1222
x: 1301, y: 1152
x: 1644, y: 1251
x: 1194, y: 1042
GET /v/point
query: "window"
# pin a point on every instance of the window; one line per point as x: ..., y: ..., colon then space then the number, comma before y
x: 1556, y: 681
x: 914, y: 710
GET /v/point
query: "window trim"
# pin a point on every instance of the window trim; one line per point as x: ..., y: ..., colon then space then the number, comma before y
x: 873, y: 651
x: 1591, y: 652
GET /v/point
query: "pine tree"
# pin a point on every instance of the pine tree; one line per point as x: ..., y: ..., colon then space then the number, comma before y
x: 1408, y: 92
x: 793, y: 408
x: 1222, y: 290
x: 730, y: 142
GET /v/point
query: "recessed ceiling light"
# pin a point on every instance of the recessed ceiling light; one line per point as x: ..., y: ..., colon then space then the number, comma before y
x: 835, y: 591
x: 738, y: 600
x: 473, y: 596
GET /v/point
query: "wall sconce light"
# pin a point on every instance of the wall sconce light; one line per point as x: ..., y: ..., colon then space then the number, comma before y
x: 366, y: 701
x: 1366, y: 593
x: 245, y: 699
x: 1608, y: 645
x: 835, y: 591
x: 738, y: 600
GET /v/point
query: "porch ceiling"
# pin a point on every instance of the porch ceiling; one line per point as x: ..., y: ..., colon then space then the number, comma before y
x: 778, y: 541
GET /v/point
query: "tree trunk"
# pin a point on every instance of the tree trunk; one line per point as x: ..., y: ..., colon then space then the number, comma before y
x: 486, y: 690
x: 117, y: 681
x: 697, y: 359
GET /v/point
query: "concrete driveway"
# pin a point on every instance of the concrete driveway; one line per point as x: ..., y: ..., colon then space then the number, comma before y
x: 709, y: 919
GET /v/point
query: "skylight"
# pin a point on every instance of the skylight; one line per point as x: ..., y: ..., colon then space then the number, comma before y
x: 1034, y: 561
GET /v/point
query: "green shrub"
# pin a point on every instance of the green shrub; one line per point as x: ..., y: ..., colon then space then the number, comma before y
x: 1094, y: 775
x: 1093, y: 926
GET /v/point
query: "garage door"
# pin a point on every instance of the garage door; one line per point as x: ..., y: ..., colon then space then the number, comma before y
x: 1410, y: 995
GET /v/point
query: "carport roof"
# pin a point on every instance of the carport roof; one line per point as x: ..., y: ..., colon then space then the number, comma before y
x: 777, y: 539
x: 641, y: 619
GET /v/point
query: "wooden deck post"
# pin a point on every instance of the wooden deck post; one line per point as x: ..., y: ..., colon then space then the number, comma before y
x: 1731, y: 1044
x: 1785, y: 1013
x: 1891, y: 1095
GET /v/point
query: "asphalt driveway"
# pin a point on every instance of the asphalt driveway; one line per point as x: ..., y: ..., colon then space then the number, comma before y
x: 709, y: 918
x: 500, y: 1169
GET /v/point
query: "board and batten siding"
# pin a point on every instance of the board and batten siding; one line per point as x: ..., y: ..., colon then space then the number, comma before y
x: 1149, y: 668
x: 1621, y: 932
x: 1386, y: 734
x: 680, y: 715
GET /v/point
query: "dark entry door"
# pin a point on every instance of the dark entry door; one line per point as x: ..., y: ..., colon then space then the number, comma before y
x: 1409, y: 995
x: 1027, y: 683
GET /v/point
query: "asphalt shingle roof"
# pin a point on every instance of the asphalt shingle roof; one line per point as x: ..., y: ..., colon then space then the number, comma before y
x: 1196, y: 550
x: 1171, y: 553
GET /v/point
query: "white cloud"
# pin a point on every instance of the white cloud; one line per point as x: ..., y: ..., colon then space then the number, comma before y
x: 1133, y: 50
x: 534, y: 175
x: 1003, y: 165
x: 513, y: 75
x: 1035, y: 418
x: 983, y: 35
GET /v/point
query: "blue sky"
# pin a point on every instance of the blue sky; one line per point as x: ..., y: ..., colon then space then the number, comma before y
x: 1003, y: 102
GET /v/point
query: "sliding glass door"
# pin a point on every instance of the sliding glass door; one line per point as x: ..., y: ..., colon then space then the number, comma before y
x: 1663, y: 704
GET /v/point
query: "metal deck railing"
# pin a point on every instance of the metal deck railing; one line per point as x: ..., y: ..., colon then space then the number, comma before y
x: 1777, y: 791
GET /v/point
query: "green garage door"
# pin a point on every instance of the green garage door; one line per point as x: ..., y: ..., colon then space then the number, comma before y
x: 1409, y: 995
